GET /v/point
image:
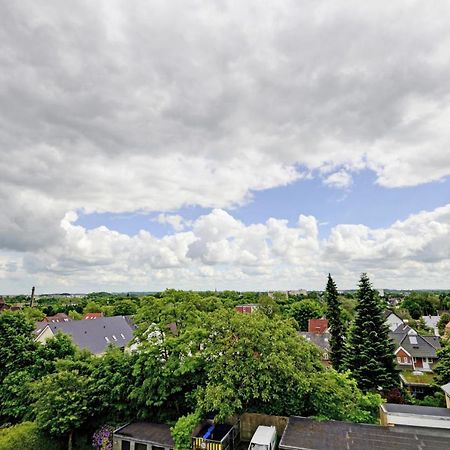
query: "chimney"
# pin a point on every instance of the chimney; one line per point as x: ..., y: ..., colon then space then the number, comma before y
x: 32, y: 297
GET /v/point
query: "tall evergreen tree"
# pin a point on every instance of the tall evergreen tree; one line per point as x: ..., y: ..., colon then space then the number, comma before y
x: 336, y: 325
x: 370, y: 354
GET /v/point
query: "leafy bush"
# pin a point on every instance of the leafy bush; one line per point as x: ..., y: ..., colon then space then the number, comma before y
x: 25, y: 436
x: 182, y: 431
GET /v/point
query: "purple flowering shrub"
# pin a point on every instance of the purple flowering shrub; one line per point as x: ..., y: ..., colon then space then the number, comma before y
x: 102, y: 438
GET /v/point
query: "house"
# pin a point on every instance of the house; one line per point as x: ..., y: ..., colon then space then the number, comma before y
x: 317, y: 325
x: 392, y: 414
x: 415, y: 352
x: 93, y: 335
x: 432, y: 322
x: 143, y: 436
x: 393, y: 320
x: 92, y: 315
x: 308, y: 434
x: 322, y: 342
x: 446, y: 389
x: 5, y: 307
x: 247, y: 308
x: 59, y: 317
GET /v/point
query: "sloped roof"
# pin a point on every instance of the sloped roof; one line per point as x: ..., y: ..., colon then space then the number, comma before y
x: 446, y: 388
x: 404, y: 328
x: 416, y: 345
x: 321, y: 340
x: 308, y: 434
x: 96, y: 335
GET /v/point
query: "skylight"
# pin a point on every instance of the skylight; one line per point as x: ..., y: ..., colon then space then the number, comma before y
x: 413, y: 340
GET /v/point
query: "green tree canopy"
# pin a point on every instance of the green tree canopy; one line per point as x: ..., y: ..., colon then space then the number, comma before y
x: 304, y: 310
x: 63, y: 403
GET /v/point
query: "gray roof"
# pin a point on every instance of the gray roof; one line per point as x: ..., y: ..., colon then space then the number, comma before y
x: 425, y: 346
x: 96, y: 335
x: 446, y: 388
x: 322, y: 340
x: 308, y: 434
x: 403, y: 328
x: 154, y: 433
x: 431, y: 321
x: 416, y: 410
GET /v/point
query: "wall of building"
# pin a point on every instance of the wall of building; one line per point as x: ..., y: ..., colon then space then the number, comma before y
x: 251, y: 421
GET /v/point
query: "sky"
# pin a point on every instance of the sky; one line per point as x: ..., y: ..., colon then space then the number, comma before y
x: 250, y: 145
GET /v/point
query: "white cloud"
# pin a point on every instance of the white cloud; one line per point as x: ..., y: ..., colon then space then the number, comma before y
x: 341, y: 180
x: 150, y: 106
x: 174, y: 220
x: 222, y: 252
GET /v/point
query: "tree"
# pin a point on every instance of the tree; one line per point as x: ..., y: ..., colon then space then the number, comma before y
x: 442, y: 368
x: 17, y: 348
x: 336, y: 325
x: 304, y: 310
x: 112, y: 382
x: 444, y: 320
x: 255, y: 363
x: 63, y: 403
x: 335, y: 396
x: 370, y: 354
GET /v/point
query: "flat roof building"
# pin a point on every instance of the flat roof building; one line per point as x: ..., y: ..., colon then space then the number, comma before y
x: 308, y: 434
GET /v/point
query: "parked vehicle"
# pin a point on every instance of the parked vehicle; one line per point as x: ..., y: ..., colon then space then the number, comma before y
x: 265, y: 438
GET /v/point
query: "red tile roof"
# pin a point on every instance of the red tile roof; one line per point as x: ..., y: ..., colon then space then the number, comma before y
x: 317, y: 325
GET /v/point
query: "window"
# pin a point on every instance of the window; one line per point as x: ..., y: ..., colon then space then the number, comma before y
x: 399, y: 360
x: 413, y: 340
x: 405, y: 360
x: 125, y: 445
x: 106, y: 339
x: 140, y: 446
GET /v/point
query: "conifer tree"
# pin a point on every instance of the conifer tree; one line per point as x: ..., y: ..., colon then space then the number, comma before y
x: 370, y: 354
x: 336, y: 324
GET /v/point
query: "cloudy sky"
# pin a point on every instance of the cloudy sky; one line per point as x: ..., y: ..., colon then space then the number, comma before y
x: 223, y: 144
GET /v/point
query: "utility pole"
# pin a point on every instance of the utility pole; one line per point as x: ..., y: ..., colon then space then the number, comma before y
x: 32, y: 297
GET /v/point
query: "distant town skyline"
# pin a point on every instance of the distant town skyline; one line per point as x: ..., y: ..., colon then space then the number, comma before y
x: 229, y: 145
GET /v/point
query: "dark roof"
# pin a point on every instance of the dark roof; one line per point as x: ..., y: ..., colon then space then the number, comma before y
x: 388, y: 312
x: 96, y: 335
x: 416, y: 410
x: 421, y: 348
x: 403, y: 328
x: 308, y: 434
x: 155, y: 433
x: 320, y: 340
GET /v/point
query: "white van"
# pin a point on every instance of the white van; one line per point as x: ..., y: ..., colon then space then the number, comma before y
x: 265, y: 438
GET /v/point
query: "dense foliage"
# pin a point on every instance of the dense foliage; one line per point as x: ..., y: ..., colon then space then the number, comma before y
x: 370, y: 353
x: 336, y: 325
x: 196, y: 356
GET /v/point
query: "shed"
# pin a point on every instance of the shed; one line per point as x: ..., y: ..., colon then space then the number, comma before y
x: 143, y: 436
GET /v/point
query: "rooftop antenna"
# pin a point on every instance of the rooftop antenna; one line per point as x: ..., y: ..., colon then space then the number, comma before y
x: 32, y: 297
